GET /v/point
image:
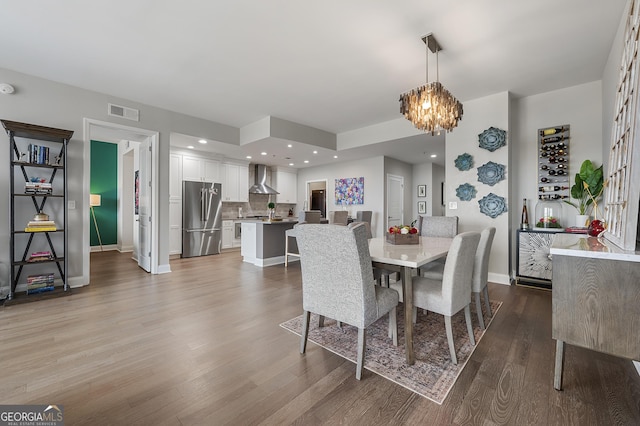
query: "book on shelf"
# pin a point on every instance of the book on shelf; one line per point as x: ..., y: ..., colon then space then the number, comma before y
x: 45, y: 223
x: 40, y: 229
x: 38, y: 188
x: 40, y: 289
x: 40, y: 256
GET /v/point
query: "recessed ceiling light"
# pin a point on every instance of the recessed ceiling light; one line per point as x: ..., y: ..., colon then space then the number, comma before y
x: 433, y: 155
x: 306, y: 161
x: 263, y: 153
x: 190, y: 146
x: 315, y: 152
x: 249, y: 157
x: 335, y: 156
x: 291, y: 164
x: 202, y: 141
x: 289, y: 146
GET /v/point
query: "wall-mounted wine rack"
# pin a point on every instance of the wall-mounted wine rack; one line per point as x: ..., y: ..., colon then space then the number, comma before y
x: 553, y: 163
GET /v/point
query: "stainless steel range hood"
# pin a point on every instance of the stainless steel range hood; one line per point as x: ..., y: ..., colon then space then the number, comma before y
x: 260, y: 186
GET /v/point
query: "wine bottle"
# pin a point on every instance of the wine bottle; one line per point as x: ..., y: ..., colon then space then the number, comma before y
x: 560, y: 152
x: 552, y: 131
x: 552, y: 172
x: 524, y: 219
x: 561, y: 160
x: 552, y: 188
x: 544, y: 179
x: 561, y: 166
x: 544, y: 153
x: 559, y: 172
x: 544, y: 167
x: 553, y: 139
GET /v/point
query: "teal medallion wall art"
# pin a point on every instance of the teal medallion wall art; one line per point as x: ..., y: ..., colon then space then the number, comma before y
x: 492, y: 139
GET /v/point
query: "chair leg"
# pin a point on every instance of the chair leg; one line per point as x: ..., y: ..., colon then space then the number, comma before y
x: 415, y: 314
x: 479, y: 309
x: 467, y: 317
x: 339, y: 324
x: 486, y: 300
x: 362, y: 342
x: 386, y: 280
x: 393, y: 325
x: 286, y: 251
x: 304, y: 332
x: 452, y: 348
x: 321, y: 321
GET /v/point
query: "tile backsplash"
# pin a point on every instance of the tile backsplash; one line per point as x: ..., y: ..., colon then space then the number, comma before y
x: 257, y: 205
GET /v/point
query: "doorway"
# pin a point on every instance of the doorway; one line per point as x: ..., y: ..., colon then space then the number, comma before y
x: 319, y: 201
x: 316, y: 196
x: 395, y: 200
x: 100, y: 130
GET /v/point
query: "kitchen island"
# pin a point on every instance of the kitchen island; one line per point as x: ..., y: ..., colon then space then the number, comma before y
x: 263, y: 241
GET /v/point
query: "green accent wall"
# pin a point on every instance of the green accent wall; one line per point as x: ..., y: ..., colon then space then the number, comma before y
x: 104, y: 181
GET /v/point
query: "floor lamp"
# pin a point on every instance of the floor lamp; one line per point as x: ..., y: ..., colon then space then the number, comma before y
x: 94, y: 201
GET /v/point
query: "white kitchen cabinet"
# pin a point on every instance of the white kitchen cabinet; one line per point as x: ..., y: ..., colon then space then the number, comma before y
x: 175, y: 204
x: 200, y: 169
x: 286, y: 183
x: 227, y: 234
x: 248, y: 248
x: 235, y: 183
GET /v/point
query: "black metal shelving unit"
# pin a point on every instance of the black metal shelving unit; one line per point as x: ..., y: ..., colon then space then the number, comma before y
x: 21, y: 136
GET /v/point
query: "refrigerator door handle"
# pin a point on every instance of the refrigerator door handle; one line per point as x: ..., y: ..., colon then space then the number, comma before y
x: 202, y: 217
x: 208, y: 202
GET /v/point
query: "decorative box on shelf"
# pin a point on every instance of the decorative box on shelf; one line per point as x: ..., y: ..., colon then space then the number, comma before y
x: 402, y: 238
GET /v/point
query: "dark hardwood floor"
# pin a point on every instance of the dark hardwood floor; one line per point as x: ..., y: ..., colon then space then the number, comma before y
x: 202, y: 345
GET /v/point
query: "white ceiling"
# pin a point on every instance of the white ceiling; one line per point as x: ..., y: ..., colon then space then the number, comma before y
x: 334, y: 65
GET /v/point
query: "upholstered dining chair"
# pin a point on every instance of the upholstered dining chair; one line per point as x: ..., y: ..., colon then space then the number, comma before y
x: 437, y: 226
x: 364, y: 216
x: 480, y: 272
x: 304, y: 216
x: 339, y: 217
x: 452, y: 293
x: 337, y: 282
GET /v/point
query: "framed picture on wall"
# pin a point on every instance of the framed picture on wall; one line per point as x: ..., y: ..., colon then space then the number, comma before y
x: 422, y: 190
x: 422, y: 207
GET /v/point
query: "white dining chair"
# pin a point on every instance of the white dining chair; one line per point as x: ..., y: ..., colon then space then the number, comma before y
x: 480, y: 273
x: 452, y: 293
x: 337, y: 282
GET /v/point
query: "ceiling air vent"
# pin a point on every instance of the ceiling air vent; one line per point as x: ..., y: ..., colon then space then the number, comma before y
x: 124, y: 112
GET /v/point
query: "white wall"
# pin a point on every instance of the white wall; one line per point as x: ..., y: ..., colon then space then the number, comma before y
x: 479, y: 115
x: 372, y: 169
x: 52, y: 104
x: 581, y: 108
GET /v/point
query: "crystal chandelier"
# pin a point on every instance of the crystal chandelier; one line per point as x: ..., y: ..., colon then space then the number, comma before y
x: 431, y: 107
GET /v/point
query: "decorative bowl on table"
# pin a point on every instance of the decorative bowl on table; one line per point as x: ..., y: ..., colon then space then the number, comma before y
x: 403, y: 234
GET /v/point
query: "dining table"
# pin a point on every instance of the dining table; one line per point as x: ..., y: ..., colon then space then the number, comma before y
x: 406, y: 259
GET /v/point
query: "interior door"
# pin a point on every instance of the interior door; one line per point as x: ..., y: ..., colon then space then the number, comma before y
x: 144, y: 206
x: 395, y: 200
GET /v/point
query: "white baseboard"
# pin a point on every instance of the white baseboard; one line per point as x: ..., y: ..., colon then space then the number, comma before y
x: 637, y: 365
x: 164, y: 269
x: 110, y: 247
x: 499, y: 278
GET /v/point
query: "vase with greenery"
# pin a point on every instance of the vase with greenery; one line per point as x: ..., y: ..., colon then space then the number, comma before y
x: 587, y: 188
x: 271, y: 207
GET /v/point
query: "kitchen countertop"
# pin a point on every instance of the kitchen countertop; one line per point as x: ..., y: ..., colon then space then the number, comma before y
x: 592, y: 247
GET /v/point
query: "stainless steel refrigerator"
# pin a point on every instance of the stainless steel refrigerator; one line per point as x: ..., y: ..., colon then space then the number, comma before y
x: 201, y: 218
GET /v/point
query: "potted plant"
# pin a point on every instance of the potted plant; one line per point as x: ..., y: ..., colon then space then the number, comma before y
x: 271, y: 206
x: 587, y: 188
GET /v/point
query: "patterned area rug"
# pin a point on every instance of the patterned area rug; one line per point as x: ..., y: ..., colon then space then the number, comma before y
x: 433, y: 374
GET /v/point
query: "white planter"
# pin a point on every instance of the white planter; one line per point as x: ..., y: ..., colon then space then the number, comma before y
x: 582, y: 220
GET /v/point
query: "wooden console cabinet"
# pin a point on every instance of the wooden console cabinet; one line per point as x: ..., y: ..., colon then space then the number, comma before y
x: 595, y: 298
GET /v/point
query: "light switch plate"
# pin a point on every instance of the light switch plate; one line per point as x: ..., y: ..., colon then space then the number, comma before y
x: 72, y: 204
x: 453, y: 205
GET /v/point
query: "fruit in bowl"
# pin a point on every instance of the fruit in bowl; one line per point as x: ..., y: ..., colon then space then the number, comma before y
x: 403, y: 229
